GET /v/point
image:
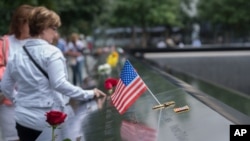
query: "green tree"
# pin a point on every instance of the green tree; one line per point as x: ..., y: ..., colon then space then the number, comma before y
x: 8, y: 6
x: 79, y: 15
x: 146, y: 13
x: 231, y: 15
x: 76, y: 15
x: 83, y: 16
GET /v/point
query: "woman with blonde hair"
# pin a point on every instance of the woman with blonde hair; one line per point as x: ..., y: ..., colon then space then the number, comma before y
x: 40, y: 89
x: 76, y: 59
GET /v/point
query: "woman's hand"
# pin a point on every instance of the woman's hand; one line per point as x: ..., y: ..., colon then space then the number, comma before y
x: 98, y: 93
x: 100, y: 102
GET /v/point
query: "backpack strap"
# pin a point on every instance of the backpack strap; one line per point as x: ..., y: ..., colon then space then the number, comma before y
x: 35, y: 63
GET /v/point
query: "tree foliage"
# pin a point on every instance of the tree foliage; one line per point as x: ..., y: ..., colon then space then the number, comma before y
x: 76, y: 15
x: 146, y: 12
x: 233, y: 15
x: 79, y: 15
x: 85, y: 15
x: 8, y: 6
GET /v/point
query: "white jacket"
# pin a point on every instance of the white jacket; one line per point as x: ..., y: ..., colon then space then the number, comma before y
x: 37, y: 94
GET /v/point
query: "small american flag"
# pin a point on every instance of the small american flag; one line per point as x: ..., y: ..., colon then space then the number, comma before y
x: 129, y: 88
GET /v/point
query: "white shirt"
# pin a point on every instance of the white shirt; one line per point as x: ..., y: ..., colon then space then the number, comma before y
x: 79, y: 46
x: 15, y: 45
x: 36, y: 95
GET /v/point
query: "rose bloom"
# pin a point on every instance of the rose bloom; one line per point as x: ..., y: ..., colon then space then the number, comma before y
x: 108, y: 86
x: 55, y: 118
x: 110, y: 83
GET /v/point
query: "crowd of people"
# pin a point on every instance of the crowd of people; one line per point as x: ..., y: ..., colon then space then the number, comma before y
x: 75, y: 49
x: 36, y: 79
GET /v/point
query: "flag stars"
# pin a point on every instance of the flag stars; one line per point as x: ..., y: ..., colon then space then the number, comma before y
x: 128, y: 73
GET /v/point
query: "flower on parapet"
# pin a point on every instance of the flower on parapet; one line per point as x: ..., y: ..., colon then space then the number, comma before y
x: 120, y: 50
x: 110, y: 83
x: 104, y: 69
x: 55, y: 118
x: 113, y: 58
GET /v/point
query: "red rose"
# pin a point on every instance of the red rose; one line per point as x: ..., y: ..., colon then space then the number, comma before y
x: 110, y: 83
x: 108, y: 86
x: 113, y: 81
x: 55, y: 118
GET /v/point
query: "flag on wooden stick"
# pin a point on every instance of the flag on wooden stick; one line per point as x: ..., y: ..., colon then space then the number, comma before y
x: 129, y: 88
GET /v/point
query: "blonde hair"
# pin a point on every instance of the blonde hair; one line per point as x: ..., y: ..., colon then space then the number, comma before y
x: 42, y: 18
x: 74, y: 37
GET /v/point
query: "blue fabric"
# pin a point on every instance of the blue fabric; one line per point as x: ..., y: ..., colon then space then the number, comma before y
x: 128, y: 73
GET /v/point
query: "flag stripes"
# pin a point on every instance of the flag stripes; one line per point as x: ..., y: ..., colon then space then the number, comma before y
x: 125, y: 96
x: 137, y: 132
x: 129, y: 88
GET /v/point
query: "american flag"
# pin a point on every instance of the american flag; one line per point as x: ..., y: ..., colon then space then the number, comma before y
x: 137, y: 132
x: 129, y: 88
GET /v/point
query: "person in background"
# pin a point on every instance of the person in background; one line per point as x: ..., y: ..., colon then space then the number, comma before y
x: 60, y: 43
x: 89, y: 43
x: 83, y: 39
x: 196, y: 43
x: 161, y: 44
x: 178, y: 41
x: 74, y: 52
x: 17, y: 36
x: 170, y: 43
x: 36, y: 93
